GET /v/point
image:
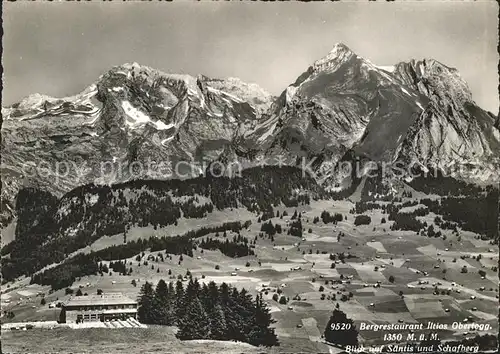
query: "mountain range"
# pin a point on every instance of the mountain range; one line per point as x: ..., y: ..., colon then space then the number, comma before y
x: 419, y: 113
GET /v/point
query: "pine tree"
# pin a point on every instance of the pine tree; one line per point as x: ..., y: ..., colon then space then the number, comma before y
x: 236, y: 316
x: 209, y: 296
x: 171, y: 305
x: 161, y: 304
x: 192, y: 290
x: 261, y: 333
x: 218, y: 326
x: 341, y: 330
x: 204, y: 298
x: 146, y: 302
x: 180, y: 303
x: 247, y: 312
x: 231, y: 312
x: 195, y: 323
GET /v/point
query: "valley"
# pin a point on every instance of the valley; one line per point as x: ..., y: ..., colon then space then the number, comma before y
x: 390, y: 276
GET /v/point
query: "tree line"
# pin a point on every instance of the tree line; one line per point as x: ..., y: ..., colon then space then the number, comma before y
x: 49, y: 229
x: 477, y: 213
x: 238, y: 247
x: 65, y: 273
x: 207, y: 311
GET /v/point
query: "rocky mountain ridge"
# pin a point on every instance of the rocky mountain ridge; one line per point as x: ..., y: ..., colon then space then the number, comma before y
x: 131, y: 114
x: 419, y: 112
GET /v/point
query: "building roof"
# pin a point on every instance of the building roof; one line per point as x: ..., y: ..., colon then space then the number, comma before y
x: 96, y: 300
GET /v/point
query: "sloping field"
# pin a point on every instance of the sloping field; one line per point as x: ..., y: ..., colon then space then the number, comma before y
x: 424, y: 308
x: 294, y: 266
x: 368, y: 274
x: 105, y: 340
x: 378, y: 246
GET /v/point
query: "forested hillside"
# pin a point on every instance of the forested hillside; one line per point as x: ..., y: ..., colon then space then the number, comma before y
x: 64, y: 274
x: 90, y: 212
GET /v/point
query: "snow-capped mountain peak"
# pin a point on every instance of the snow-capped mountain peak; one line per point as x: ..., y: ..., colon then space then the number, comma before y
x: 339, y: 54
x: 418, y: 112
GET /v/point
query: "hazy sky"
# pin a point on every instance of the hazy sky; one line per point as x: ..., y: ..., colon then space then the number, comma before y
x: 60, y: 48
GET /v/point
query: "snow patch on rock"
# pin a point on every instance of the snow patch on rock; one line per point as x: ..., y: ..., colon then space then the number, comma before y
x: 136, y: 118
x: 496, y: 134
x: 405, y: 91
x: 224, y: 93
x: 162, y: 126
x: 164, y: 141
x: 389, y: 68
x: 290, y: 93
x: 264, y: 136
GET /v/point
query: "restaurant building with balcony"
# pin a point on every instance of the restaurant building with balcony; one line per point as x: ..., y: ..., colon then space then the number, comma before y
x: 105, y: 307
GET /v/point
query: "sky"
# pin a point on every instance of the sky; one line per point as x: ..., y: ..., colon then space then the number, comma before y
x: 59, y: 49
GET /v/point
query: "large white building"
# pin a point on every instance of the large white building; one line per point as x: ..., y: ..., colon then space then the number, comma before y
x: 98, y: 308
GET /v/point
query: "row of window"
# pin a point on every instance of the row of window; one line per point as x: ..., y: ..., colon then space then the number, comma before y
x: 102, y: 307
x: 96, y: 317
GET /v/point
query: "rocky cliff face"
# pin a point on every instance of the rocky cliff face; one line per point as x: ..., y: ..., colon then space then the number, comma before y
x: 342, y: 102
x: 415, y: 113
x: 452, y: 132
x: 137, y: 122
x: 134, y: 122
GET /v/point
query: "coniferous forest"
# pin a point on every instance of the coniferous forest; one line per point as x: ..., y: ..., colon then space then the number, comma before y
x: 207, y: 311
x: 89, y: 212
x: 48, y: 229
x: 237, y: 247
x: 65, y: 273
